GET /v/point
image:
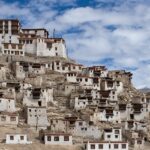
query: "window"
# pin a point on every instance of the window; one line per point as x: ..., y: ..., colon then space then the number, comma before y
x: 56, y: 138
x: 11, y: 137
x: 116, y: 136
x: 80, y: 123
x: 21, y: 137
x: 49, y: 138
x: 27, y: 41
x: 29, y: 110
x: 115, y: 146
x: 92, y: 146
x: 108, y: 136
x: 100, y: 146
x: 66, y: 138
x: 123, y: 146
x: 86, y: 80
x: 55, y: 48
x: 3, y: 118
x: 13, y: 46
x: 109, y: 146
x: 82, y: 128
x: 12, y: 118
x: 116, y: 131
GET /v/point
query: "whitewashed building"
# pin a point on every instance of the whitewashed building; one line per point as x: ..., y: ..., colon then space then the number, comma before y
x: 76, y: 127
x: 37, y: 117
x: 17, y: 139
x: 107, y: 115
x: 86, y: 129
x: 7, y: 104
x: 79, y: 103
x: 95, y: 71
x: 55, y: 138
x: 112, y: 140
x: 24, y: 69
x: 38, y: 96
x: 71, y: 77
x: 135, y: 125
x: 17, y: 41
x: 3, y: 71
x: 102, y: 145
x: 9, y: 118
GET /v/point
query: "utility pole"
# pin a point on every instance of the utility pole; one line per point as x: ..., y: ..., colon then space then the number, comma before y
x: 36, y: 120
x: 54, y: 33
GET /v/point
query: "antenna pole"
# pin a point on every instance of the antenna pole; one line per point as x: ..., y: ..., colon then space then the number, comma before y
x: 54, y: 33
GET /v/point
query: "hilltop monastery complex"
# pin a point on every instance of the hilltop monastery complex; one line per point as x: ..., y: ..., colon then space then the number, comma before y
x: 46, y: 98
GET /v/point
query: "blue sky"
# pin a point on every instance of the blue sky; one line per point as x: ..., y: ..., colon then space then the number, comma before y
x: 115, y: 33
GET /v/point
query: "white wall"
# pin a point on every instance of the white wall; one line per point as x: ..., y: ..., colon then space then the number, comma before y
x: 8, y: 120
x: 17, y: 139
x: 45, y: 97
x: 106, y: 146
x: 60, y: 142
x: 37, y: 117
x: 101, y: 116
x: 83, y: 129
x: 80, y: 103
x: 113, y: 136
x: 7, y: 105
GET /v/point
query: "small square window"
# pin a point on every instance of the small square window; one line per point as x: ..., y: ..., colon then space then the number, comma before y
x: 56, y: 138
x: 92, y: 146
x: 21, y: 137
x: 49, y: 138
x: 116, y: 131
x: 100, y: 146
x: 123, y: 146
x: 115, y: 146
x: 3, y: 118
x: 80, y: 124
x: 66, y: 138
x: 12, y: 118
x: 11, y: 137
